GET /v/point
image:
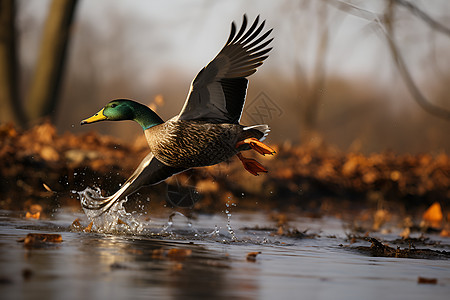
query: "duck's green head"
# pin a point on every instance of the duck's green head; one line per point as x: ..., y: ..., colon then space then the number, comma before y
x: 124, y: 109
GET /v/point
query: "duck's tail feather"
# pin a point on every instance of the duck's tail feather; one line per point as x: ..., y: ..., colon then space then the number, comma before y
x: 264, y: 129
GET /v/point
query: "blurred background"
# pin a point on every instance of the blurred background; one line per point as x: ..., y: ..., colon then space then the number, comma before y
x: 365, y: 76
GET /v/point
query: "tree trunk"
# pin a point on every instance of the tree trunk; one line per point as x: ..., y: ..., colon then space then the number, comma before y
x: 10, y: 107
x: 46, y: 83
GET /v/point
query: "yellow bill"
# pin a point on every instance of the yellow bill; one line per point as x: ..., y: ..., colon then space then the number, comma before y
x: 95, y: 118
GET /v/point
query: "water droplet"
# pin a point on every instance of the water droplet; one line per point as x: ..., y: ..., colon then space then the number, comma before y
x: 230, y: 229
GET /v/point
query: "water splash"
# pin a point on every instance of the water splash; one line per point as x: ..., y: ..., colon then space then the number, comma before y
x: 228, y: 213
x: 111, y: 217
x: 108, y: 219
x: 169, y: 227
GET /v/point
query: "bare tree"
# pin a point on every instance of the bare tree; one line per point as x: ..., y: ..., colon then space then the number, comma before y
x: 46, y: 83
x: 11, y: 110
x: 43, y: 96
x: 424, y: 103
x: 386, y: 25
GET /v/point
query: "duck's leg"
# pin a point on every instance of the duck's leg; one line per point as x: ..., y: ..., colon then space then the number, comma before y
x: 251, y: 165
x: 256, y: 145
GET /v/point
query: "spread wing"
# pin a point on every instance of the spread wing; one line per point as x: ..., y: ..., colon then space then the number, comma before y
x: 217, y: 93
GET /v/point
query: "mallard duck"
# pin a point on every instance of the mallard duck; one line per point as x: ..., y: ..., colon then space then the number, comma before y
x: 207, y: 130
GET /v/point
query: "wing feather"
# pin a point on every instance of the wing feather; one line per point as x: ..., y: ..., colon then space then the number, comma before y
x: 217, y: 94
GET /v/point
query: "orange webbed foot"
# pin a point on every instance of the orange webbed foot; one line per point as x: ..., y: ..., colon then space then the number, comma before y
x: 252, y: 165
x: 256, y: 145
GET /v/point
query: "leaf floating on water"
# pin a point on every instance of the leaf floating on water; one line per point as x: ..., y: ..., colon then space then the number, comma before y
x: 251, y: 256
x: 37, y: 240
x: 36, y: 215
x: 423, y: 280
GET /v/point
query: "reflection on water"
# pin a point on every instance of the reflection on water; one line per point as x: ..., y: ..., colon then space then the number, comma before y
x: 131, y: 266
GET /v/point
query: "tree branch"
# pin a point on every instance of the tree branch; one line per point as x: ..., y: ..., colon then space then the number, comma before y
x: 424, y: 16
x: 417, y: 95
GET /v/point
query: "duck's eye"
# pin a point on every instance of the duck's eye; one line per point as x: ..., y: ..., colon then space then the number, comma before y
x: 113, y: 105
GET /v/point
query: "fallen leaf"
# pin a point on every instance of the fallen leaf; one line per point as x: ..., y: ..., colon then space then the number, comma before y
x: 36, y: 215
x: 251, y: 256
x: 433, y: 215
x: 423, y: 280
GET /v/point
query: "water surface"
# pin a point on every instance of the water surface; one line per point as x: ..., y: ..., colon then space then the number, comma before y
x: 89, y: 265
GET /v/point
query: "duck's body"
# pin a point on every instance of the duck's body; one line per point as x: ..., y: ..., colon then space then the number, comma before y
x: 207, y: 130
x: 189, y: 144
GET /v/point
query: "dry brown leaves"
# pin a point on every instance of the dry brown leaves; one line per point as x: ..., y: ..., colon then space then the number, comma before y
x: 251, y: 256
x: 296, y: 173
x: 433, y: 216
